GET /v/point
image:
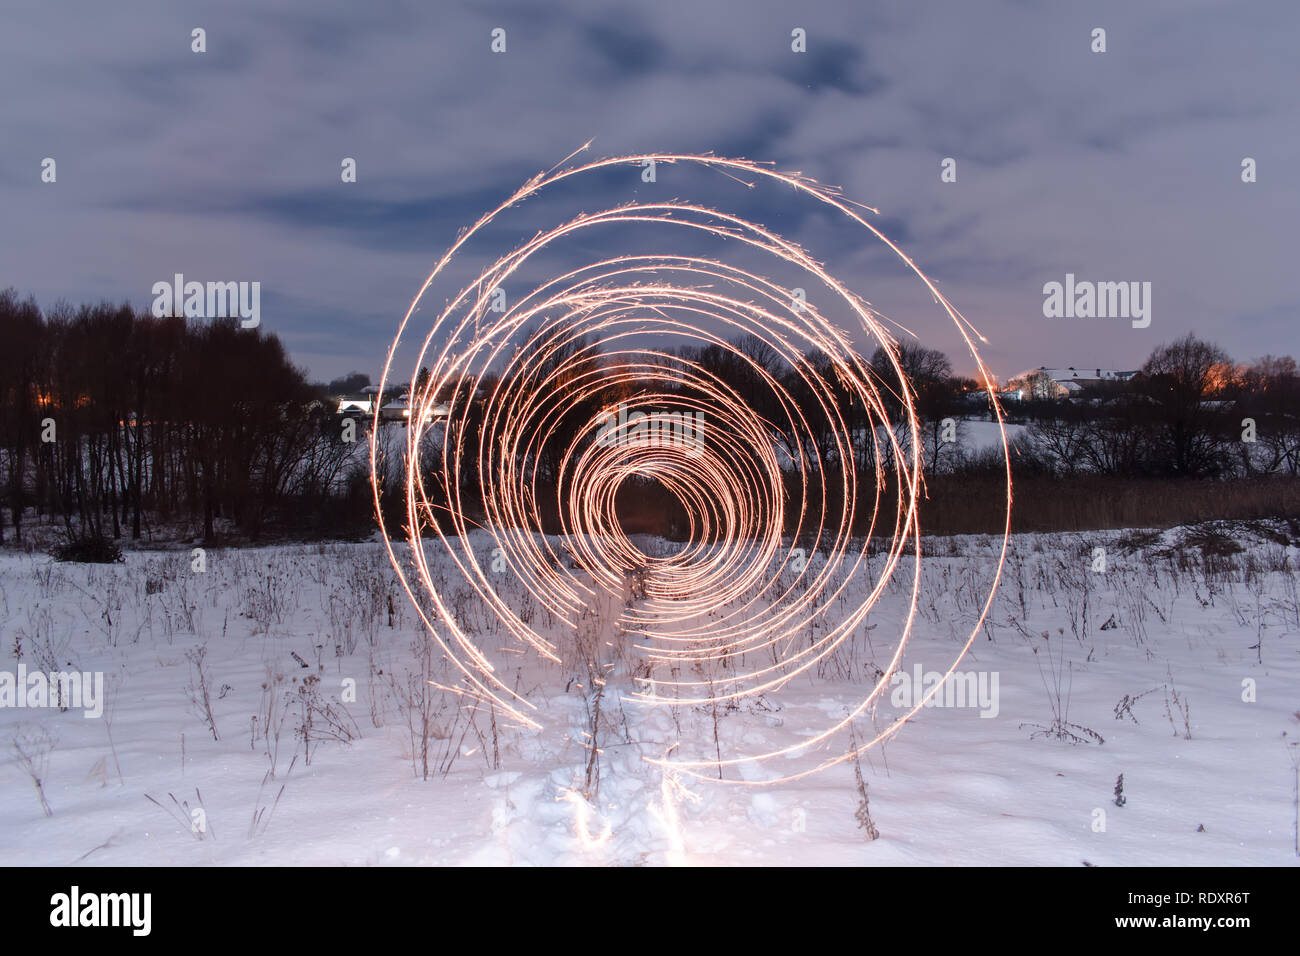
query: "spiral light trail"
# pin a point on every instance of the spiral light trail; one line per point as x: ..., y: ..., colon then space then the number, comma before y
x: 729, y: 616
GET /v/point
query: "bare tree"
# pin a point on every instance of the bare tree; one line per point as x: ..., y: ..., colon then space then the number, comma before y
x: 1180, y: 377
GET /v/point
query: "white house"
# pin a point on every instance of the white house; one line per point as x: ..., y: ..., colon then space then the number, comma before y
x: 1071, y: 381
x: 356, y: 403
x: 400, y: 411
x: 1086, y: 375
x: 365, y: 400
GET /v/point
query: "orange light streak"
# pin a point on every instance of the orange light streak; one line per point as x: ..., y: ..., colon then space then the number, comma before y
x: 729, y: 608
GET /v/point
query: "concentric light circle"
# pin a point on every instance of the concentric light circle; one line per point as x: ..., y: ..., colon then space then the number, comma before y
x: 735, y: 611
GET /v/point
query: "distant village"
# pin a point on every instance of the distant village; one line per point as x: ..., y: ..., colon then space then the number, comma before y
x: 1056, y: 384
x: 1040, y: 384
x: 397, y: 411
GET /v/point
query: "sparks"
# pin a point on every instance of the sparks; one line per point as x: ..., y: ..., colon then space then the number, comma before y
x: 729, y: 617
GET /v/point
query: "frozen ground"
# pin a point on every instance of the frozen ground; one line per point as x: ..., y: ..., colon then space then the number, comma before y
x: 1206, y: 743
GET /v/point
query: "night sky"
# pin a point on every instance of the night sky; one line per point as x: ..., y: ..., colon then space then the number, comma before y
x: 225, y: 165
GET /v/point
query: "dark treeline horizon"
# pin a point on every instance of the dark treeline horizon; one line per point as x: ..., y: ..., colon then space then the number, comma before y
x: 112, y: 418
x: 114, y: 422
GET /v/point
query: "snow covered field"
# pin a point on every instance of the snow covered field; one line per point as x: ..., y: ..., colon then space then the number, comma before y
x: 1182, y: 656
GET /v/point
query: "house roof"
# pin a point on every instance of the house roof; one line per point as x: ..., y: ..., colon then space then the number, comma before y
x: 1086, y: 372
x: 358, y: 403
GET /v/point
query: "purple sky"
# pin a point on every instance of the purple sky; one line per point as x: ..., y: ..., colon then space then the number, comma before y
x: 225, y: 165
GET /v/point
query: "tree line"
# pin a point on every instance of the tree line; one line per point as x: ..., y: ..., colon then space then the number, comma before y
x: 112, y: 419
x: 1190, y: 412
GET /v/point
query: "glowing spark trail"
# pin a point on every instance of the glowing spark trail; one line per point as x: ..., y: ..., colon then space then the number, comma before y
x: 731, y: 615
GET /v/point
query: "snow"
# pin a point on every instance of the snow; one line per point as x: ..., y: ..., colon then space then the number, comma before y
x: 951, y: 787
x: 976, y: 436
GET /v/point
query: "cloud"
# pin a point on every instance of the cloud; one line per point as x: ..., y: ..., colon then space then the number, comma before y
x: 1121, y: 165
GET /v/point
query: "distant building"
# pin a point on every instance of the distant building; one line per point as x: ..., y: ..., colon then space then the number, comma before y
x: 1070, y: 382
x: 359, y: 402
x: 365, y: 401
x: 399, y: 410
x: 1087, y: 375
